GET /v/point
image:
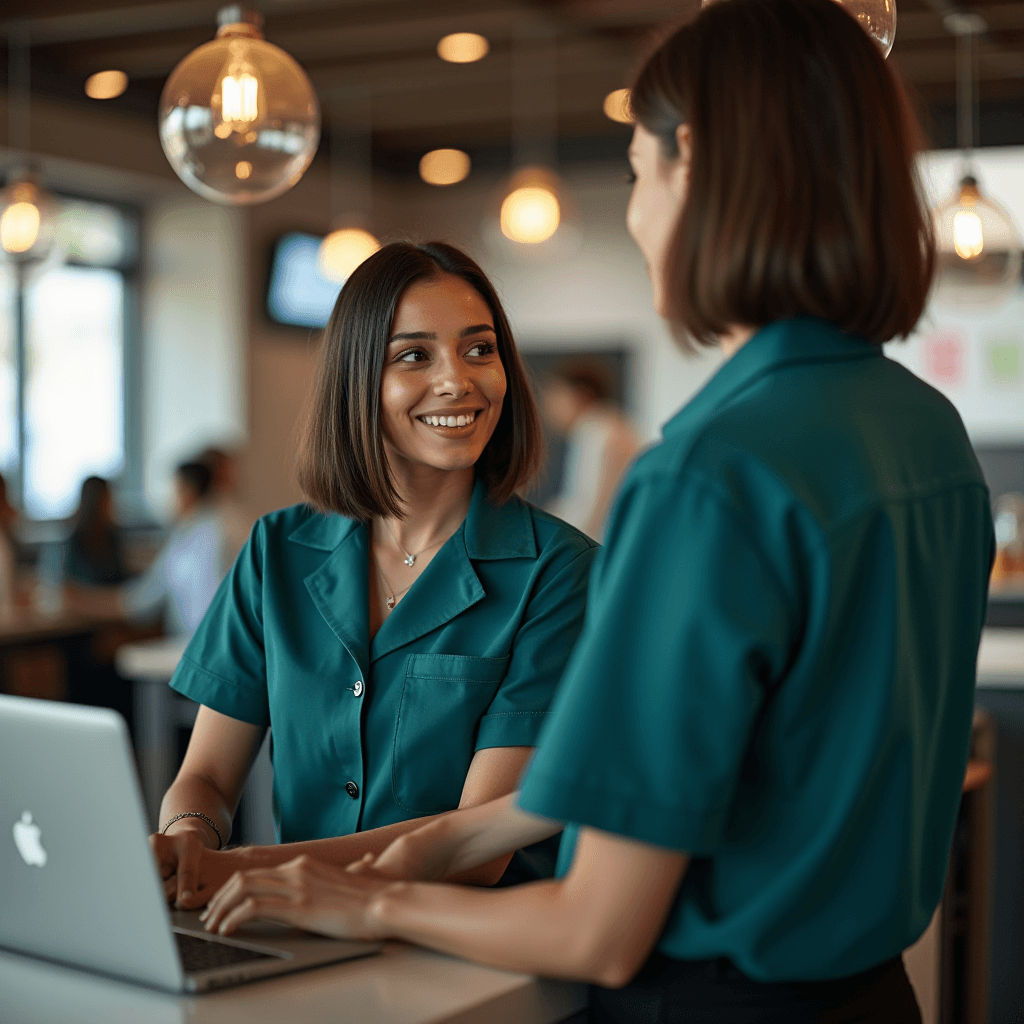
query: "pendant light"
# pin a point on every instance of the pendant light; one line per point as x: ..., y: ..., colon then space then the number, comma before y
x: 28, y: 213
x: 978, y: 247
x: 877, y: 18
x: 239, y: 120
x: 350, y: 242
x: 531, y: 210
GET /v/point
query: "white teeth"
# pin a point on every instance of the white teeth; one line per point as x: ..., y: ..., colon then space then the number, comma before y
x: 449, y: 421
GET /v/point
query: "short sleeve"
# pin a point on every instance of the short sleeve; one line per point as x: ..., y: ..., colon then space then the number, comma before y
x: 224, y: 665
x: 540, y: 652
x: 688, y: 626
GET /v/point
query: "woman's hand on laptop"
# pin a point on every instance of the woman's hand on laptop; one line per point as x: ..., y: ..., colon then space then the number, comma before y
x: 424, y: 855
x: 191, y: 871
x: 458, y: 842
x: 304, y: 893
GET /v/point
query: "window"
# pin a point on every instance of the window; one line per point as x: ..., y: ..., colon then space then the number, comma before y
x: 62, y: 402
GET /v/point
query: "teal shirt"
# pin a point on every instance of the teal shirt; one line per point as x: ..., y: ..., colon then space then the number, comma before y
x: 368, y: 734
x: 776, y: 674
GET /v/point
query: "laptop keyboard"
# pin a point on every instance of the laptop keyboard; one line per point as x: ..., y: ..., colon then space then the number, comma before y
x: 201, y: 954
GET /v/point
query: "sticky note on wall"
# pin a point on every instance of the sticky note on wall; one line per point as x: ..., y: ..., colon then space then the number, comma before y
x: 1005, y: 360
x: 944, y: 358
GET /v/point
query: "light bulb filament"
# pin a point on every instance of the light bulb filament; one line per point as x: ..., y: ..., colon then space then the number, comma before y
x: 967, y: 236
x: 239, y: 100
x: 19, y: 227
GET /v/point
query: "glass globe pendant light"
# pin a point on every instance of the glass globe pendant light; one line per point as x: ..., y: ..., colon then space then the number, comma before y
x: 876, y: 17
x: 349, y: 242
x: 978, y: 258
x: 28, y: 213
x: 343, y: 250
x: 28, y: 220
x: 531, y: 211
x: 239, y: 120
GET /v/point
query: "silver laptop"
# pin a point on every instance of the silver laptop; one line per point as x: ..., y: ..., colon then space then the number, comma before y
x: 78, y: 883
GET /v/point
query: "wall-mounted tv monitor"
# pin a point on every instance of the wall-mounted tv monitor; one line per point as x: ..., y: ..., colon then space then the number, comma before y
x: 298, y: 294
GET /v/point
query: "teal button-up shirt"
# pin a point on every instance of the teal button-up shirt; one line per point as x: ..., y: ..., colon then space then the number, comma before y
x: 776, y: 674
x: 367, y: 734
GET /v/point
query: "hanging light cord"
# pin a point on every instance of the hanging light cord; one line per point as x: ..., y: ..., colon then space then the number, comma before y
x: 18, y: 73
x: 965, y: 27
x: 965, y: 93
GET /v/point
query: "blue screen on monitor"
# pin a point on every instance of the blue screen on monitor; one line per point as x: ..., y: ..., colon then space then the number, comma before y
x: 298, y: 293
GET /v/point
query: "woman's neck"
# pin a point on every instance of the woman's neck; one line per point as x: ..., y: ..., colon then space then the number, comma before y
x: 435, y: 503
x: 733, y: 339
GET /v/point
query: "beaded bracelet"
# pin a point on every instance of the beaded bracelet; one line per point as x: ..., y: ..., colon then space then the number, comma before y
x: 196, y: 814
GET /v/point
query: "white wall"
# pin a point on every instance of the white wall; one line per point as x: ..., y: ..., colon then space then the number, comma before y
x: 193, y: 336
x: 953, y: 348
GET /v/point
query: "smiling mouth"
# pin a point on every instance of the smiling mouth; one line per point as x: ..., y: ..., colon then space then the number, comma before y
x: 464, y: 420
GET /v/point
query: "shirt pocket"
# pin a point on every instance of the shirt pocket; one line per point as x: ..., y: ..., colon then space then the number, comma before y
x: 443, y: 699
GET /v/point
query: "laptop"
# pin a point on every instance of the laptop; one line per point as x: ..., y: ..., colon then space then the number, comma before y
x: 78, y: 883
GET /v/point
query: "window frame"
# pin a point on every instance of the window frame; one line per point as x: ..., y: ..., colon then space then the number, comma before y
x: 131, y: 271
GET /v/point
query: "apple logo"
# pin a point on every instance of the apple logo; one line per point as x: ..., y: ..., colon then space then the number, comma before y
x: 26, y: 838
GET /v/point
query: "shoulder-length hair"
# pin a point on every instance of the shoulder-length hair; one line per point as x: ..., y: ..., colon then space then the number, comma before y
x: 803, y: 195
x: 343, y: 465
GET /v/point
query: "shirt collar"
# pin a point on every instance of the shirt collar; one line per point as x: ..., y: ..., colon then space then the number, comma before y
x: 782, y: 343
x: 491, y: 532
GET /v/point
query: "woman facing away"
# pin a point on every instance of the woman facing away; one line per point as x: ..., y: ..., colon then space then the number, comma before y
x: 760, y: 739
x: 403, y: 633
x: 95, y: 549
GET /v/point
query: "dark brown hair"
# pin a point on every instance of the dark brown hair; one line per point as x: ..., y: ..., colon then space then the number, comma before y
x: 803, y: 198
x: 343, y: 465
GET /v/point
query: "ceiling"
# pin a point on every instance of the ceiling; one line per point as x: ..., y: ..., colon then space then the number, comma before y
x: 382, y: 52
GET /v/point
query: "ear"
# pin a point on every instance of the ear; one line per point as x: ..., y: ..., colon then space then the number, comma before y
x: 681, y: 165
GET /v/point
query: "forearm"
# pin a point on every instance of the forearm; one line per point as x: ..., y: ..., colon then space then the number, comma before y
x: 194, y: 793
x: 530, y: 928
x: 599, y: 923
x: 341, y: 851
x: 478, y: 835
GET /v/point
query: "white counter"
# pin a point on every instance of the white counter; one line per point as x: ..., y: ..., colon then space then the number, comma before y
x: 400, y: 985
x: 1001, y: 659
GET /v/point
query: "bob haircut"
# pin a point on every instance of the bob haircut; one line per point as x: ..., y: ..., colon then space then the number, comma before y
x: 803, y: 196
x: 343, y: 465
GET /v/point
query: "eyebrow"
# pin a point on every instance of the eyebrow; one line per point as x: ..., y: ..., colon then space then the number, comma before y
x: 430, y: 336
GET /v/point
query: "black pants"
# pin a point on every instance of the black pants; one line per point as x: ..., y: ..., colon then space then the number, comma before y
x: 715, y: 992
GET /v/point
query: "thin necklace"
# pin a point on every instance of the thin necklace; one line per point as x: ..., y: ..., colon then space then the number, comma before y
x: 392, y: 594
x: 410, y: 559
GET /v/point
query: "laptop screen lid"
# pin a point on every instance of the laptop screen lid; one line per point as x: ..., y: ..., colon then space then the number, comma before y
x: 77, y: 879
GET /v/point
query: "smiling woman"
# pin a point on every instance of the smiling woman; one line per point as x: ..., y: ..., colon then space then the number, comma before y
x: 401, y: 634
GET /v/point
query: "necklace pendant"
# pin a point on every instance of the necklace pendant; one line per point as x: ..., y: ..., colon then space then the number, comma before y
x: 409, y: 560
x: 391, y: 603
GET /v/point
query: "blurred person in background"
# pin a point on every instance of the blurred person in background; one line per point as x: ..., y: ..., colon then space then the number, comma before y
x: 8, y: 552
x: 235, y: 520
x: 183, y: 578
x: 94, y: 553
x: 599, y: 444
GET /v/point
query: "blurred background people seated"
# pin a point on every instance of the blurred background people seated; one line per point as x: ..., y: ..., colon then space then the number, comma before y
x: 600, y: 444
x: 188, y: 569
x: 236, y: 522
x: 8, y: 552
x: 95, y: 550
